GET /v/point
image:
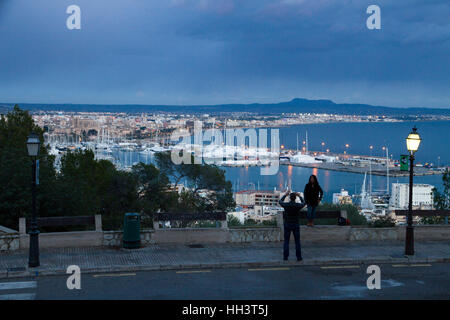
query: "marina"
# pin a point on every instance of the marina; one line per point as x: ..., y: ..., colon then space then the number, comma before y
x: 354, y: 164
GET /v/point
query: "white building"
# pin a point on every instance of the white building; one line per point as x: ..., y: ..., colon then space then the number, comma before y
x: 303, y: 158
x: 422, y: 196
x: 342, y: 198
x: 250, y: 198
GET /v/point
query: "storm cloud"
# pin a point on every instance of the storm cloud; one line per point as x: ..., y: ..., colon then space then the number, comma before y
x: 225, y: 51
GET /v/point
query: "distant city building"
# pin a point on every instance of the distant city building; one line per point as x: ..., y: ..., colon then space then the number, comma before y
x: 342, y: 198
x: 251, y: 198
x: 422, y: 196
x: 267, y: 210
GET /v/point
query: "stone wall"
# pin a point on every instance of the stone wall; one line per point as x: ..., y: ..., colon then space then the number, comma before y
x: 421, y: 233
x: 9, y: 241
x: 254, y: 234
x: 191, y: 235
x: 114, y: 238
x: 318, y: 234
x: 370, y: 234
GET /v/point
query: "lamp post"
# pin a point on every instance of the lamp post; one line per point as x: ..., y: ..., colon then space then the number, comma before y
x: 33, y: 145
x: 412, y: 143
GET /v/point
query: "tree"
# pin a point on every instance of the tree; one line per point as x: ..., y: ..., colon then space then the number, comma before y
x: 88, y: 186
x: 441, y: 200
x: 153, y: 189
x: 15, y: 169
x: 207, y: 188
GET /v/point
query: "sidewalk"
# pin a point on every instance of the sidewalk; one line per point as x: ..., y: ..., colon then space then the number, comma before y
x: 176, y: 257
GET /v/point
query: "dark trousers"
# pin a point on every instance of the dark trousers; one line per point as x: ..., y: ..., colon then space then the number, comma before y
x: 311, y: 214
x: 295, y: 229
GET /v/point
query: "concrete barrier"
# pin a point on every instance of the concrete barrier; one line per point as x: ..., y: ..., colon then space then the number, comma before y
x: 114, y: 238
x: 73, y: 239
x: 254, y: 234
x: 9, y: 242
x: 326, y: 234
x: 191, y: 235
x: 373, y: 234
x: 426, y: 232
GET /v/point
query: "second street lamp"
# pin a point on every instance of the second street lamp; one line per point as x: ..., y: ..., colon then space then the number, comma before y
x: 33, y: 145
x: 412, y: 143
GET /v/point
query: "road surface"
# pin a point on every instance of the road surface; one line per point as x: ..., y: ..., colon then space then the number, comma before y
x: 419, y: 281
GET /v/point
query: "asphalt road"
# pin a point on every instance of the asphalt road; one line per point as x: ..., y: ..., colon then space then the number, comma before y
x: 421, y: 281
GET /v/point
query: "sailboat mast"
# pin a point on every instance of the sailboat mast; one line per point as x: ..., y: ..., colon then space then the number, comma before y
x: 387, y: 170
x: 306, y: 141
x: 370, y: 177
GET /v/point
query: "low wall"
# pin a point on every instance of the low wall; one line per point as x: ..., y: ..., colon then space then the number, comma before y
x: 9, y: 241
x: 427, y: 232
x: 192, y: 235
x: 372, y: 234
x: 254, y: 234
x: 421, y: 233
x: 72, y: 239
x: 317, y: 234
x: 114, y: 238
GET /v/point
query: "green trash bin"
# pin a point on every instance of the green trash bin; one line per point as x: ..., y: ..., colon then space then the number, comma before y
x: 132, y: 231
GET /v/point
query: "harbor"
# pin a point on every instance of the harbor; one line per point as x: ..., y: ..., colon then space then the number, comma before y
x: 356, y: 164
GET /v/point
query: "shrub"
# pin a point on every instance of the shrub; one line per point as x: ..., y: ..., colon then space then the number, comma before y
x: 382, y: 222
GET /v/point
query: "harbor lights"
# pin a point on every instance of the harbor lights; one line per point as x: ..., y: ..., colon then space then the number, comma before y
x: 323, y: 145
x: 412, y: 144
x: 33, y: 145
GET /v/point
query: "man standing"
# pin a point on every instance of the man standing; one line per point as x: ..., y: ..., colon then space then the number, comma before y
x: 291, y: 223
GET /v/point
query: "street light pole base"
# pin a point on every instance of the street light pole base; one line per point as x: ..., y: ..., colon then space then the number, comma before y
x: 409, y: 243
x: 33, y: 260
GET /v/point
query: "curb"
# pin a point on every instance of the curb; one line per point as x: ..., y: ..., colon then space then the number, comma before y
x: 220, y: 265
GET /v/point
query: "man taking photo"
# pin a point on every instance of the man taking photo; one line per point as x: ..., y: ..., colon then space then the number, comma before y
x: 291, y: 222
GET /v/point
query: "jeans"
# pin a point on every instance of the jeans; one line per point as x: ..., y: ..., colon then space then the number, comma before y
x: 311, y: 214
x: 295, y: 229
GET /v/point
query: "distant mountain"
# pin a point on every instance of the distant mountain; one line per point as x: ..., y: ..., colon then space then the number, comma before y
x: 295, y: 105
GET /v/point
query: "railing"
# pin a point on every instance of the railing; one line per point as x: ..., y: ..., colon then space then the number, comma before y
x: 425, y: 213
x: 326, y: 214
x: 331, y: 214
x: 187, y: 217
x: 24, y: 224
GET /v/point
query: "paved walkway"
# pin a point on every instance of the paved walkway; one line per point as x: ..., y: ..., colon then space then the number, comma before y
x: 165, y: 257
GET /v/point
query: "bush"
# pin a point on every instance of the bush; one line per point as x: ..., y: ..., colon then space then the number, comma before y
x: 233, y: 221
x: 382, y: 222
x: 270, y: 223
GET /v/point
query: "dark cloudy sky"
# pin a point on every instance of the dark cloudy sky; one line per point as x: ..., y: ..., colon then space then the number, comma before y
x: 225, y: 51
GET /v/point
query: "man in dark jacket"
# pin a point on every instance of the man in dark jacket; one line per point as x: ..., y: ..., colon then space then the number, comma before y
x: 291, y: 223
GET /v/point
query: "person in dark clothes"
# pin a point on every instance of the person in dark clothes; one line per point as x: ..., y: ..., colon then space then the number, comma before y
x: 313, y: 195
x: 291, y: 223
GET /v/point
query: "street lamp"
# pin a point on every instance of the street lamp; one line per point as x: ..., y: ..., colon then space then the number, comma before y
x: 412, y: 144
x: 33, y: 145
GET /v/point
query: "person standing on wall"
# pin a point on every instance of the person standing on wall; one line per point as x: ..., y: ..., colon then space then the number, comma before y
x: 313, y: 195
